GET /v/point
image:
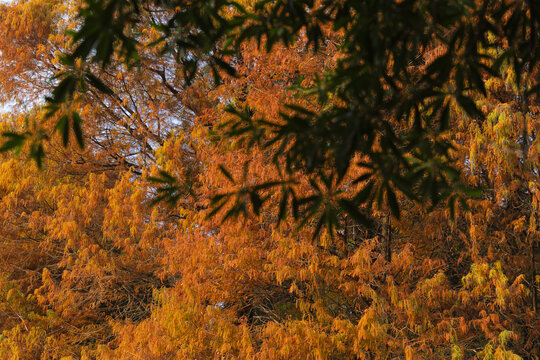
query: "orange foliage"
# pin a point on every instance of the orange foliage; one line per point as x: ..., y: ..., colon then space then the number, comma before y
x: 89, y: 270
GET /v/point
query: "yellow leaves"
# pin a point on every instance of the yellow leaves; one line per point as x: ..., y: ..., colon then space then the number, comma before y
x: 496, y: 349
x: 296, y: 340
x: 12, y: 294
x: 393, y: 291
x: 248, y: 290
x: 409, y: 353
x: 463, y: 326
x: 371, y: 331
x: 25, y: 27
x: 457, y: 353
x: 294, y: 288
x: 520, y: 224
x: 185, y: 330
x: 68, y: 230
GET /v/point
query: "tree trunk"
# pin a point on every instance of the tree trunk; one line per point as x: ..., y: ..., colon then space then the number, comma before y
x: 387, y: 237
x: 534, y: 285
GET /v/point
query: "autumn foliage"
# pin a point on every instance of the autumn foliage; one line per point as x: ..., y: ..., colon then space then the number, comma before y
x: 91, y: 267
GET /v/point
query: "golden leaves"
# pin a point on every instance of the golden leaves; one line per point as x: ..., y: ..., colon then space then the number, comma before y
x: 83, y: 251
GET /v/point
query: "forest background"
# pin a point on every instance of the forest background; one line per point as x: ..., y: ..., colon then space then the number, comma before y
x: 197, y: 180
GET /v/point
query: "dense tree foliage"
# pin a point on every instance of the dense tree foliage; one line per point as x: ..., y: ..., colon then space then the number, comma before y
x: 127, y: 247
x: 387, y: 95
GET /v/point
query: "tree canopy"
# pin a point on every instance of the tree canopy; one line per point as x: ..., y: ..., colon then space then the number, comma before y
x: 383, y: 103
x: 343, y: 133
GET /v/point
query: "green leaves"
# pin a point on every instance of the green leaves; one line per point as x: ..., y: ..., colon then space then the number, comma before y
x: 12, y: 141
x: 70, y: 83
x: 98, y: 84
x: 77, y: 130
x: 469, y: 106
x: 169, y: 189
x: 63, y: 127
x: 105, y: 30
x: 37, y: 153
x: 352, y: 208
x: 225, y: 172
x: 64, y: 89
x: 387, y: 99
